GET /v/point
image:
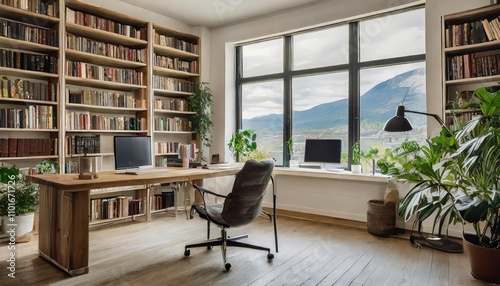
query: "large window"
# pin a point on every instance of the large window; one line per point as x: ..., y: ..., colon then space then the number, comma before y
x: 341, y: 82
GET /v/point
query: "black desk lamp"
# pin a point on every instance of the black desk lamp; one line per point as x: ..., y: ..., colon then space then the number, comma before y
x: 400, y: 123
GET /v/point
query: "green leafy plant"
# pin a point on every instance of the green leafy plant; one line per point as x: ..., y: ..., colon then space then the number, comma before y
x: 242, y: 143
x: 17, y: 196
x: 47, y: 167
x: 201, y: 102
x: 356, y: 153
x: 259, y: 155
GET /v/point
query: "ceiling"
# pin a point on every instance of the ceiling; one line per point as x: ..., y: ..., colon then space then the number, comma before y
x: 213, y: 13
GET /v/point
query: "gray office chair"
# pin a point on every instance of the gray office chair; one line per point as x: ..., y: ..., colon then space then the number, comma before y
x: 240, y: 207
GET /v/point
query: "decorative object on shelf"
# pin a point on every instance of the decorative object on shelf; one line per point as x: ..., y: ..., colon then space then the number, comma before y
x: 18, y: 199
x: 242, y: 143
x: 47, y: 167
x: 356, y: 158
x: 88, y: 167
x: 201, y: 102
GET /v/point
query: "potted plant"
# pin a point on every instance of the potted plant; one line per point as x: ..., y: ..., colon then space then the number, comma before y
x: 356, y: 158
x: 201, y: 102
x: 18, y: 199
x: 242, y: 143
x: 456, y: 178
x: 368, y: 158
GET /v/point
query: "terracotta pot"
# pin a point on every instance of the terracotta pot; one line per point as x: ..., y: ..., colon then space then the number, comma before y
x: 483, y: 261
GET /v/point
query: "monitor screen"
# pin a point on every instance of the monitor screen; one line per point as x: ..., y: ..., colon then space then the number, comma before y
x: 132, y: 152
x: 326, y: 151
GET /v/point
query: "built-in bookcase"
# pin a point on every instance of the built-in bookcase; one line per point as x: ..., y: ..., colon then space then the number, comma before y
x: 471, y: 58
x: 29, y: 85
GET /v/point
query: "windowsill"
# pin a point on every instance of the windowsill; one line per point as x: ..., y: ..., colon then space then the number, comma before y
x: 317, y: 173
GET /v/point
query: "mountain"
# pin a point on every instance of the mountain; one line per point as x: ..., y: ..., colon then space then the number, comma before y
x: 377, y: 106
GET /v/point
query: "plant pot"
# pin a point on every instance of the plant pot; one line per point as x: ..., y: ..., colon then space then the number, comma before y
x: 23, y: 225
x: 483, y: 261
x: 356, y: 169
x: 381, y: 217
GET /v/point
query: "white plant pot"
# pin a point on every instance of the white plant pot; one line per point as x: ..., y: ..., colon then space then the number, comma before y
x: 23, y: 224
x: 356, y: 169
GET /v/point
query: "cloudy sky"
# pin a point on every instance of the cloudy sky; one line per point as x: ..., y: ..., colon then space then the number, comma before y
x: 385, y: 37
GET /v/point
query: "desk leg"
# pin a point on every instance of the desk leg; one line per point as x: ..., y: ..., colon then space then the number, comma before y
x: 64, y: 229
x: 148, y: 203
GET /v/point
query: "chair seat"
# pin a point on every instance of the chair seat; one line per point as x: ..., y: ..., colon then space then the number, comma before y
x: 214, y: 213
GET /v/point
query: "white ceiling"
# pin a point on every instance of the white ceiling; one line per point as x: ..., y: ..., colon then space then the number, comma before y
x: 212, y: 13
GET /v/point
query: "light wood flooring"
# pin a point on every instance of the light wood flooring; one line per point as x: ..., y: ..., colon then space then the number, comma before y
x: 310, y: 253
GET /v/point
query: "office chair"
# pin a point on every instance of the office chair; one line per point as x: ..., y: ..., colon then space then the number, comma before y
x: 240, y: 207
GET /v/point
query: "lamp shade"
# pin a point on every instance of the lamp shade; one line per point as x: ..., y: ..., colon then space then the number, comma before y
x: 398, y: 123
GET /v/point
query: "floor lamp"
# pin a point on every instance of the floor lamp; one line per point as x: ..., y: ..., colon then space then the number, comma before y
x: 400, y: 123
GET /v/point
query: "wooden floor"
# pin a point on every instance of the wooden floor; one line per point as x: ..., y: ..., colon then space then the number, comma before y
x: 310, y: 253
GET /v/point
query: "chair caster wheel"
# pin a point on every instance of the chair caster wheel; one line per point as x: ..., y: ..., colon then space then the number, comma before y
x: 270, y: 256
x: 209, y: 247
x: 228, y: 266
x: 187, y: 252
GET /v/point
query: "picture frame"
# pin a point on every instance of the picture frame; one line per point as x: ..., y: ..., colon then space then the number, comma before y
x: 215, y: 159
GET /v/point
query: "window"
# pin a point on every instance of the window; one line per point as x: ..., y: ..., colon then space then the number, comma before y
x: 340, y: 82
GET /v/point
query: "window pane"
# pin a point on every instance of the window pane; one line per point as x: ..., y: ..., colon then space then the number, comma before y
x: 262, y: 111
x: 382, y: 90
x: 393, y: 36
x: 263, y: 58
x: 322, y: 48
x: 319, y: 110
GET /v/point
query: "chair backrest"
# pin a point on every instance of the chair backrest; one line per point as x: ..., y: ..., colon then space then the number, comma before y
x: 244, y: 203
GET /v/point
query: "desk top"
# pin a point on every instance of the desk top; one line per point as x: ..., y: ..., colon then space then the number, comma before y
x: 317, y: 173
x: 71, y: 183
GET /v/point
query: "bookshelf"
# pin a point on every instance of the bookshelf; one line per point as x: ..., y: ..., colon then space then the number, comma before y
x: 471, y: 58
x: 175, y: 69
x: 29, y: 84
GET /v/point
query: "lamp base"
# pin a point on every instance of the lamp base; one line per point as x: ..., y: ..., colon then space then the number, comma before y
x: 437, y: 243
x: 88, y: 176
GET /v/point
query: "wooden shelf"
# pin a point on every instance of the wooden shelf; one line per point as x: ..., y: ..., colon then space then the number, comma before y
x: 26, y: 16
x: 18, y: 100
x: 173, y: 73
x: 78, y: 106
x: 104, y: 36
x: 163, y: 111
x: 173, y: 132
x: 102, y: 84
x: 27, y: 46
x: 171, y: 92
x: 106, y: 131
x: 102, y: 60
x: 27, y: 73
x: 473, y: 80
x: 492, y: 45
x: 89, y: 154
x: 169, y: 51
x: 109, y: 220
x: 28, y: 158
x: 470, y: 15
x: 167, y: 154
x: 29, y: 130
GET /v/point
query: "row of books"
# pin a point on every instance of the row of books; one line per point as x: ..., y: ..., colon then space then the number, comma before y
x: 49, y: 8
x: 28, y: 61
x: 86, y: 70
x: 102, y: 98
x: 179, y: 44
x: 31, y: 117
x: 470, y: 66
x: 114, y: 207
x: 34, y: 34
x: 172, y: 124
x: 466, y: 33
x: 162, y: 201
x: 27, y: 89
x: 71, y: 167
x: 166, y: 147
x: 83, y: 44
x: 167, y: 103
x: 27, y: 147
x: 187, y: 151
x: 83, y: 120
x: 103, y: 24
x: 81, y: 144
x: 167, y: 83
x: 176, y: 64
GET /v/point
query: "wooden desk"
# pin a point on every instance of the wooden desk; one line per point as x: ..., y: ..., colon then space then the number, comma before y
x: 63, y: 236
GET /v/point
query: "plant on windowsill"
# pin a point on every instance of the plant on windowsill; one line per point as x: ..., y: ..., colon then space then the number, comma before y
x: 242, y: 143
x: 368, y: 158
x: 201, y: 102
x: 18, y: 199
x: 356, y: 158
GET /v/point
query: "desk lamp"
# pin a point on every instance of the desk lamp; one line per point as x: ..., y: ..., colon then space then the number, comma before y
x: 400, y: 123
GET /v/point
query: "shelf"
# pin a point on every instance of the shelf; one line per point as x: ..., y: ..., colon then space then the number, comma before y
x: 26, y: 45
x: 28, y: 158
x: 101, y: 221
x: 117, y: 189
x: 102, y: 60
x: 4, y: 71
x: 167, y: 154
x: 173, y: 132
x: 492, y: 45
x: 173, y: 73
x: 102, y: 84
x: 104, y: 36
x: 171, y: 92
x: 169, y: 51
x: 106, y: 131
x: 105, y: 13
x: 453, y: 111
x: 471, y: 15
x: 26, y: 16
x: 103, y: 108
x: 89, y: 154
x: 484, y: 79
x: 174, y: 112
x: 28, y: 130
x: 18, y: 100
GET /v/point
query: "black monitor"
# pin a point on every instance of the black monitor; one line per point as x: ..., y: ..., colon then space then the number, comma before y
x: 132, y: 152
x: 326, y: 151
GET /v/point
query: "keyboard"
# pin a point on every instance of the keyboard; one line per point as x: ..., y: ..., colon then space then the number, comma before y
x: 146, y: 171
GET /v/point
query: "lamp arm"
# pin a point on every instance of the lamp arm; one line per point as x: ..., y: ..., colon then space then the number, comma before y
x: 429, y: 114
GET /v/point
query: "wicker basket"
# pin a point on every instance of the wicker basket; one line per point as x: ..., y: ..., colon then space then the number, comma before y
x: 381, y: 218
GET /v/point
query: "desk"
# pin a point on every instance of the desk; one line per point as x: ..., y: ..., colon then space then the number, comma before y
x: 63, y: 236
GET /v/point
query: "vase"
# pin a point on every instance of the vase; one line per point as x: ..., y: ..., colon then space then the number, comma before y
x: 483, y: 261
x: 21, y: 226
x: 356, y: 169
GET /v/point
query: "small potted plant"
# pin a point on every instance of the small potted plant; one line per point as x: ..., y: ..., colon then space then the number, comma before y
x: 242, y: 143
x: 356, y: 158
x: 18, y: 199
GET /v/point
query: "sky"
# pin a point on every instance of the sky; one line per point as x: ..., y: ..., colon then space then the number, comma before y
x: 380, y: 38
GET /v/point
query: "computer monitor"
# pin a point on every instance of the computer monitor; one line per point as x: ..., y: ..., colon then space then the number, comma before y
x: 132, y: 152
x: 325, y: 151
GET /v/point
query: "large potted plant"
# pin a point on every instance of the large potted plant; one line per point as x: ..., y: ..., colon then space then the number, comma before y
x: 456, y: 178
x: 18, y: 199
x: 242, y: 143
